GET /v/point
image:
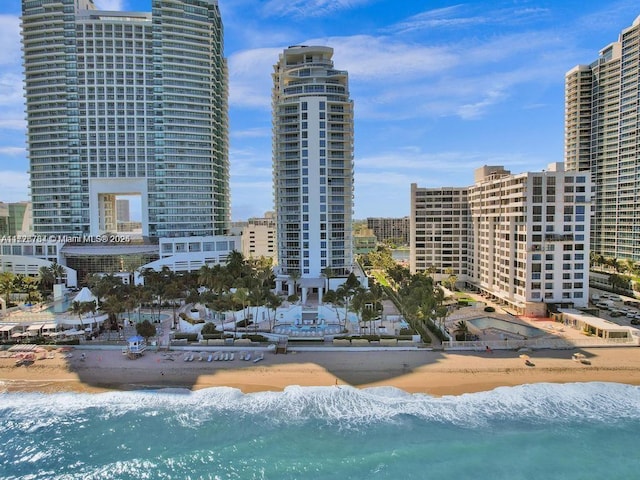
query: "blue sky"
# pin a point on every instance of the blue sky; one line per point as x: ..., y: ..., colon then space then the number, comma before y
x: 440, y: 88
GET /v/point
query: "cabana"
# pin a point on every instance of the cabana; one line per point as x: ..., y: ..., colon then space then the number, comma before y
x: 34, y: 330
x: 49, y: 328
x: 609, y: 331
x: 6, y: 331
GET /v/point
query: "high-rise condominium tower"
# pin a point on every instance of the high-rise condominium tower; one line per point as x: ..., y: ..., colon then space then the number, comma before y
x: 602, y: 134
x: 124, y: 103
x: 312, y: 164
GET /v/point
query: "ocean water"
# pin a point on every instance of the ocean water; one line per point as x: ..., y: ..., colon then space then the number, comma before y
x: 540, y: 431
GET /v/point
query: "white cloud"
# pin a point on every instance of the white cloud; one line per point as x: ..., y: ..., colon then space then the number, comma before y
x: 250, y: 77
x: 252, y: 133
x: 10, y: 53
x: 460, y: 16
x: 440, y: 17
x: 110, y: 5
x: 379, y: 59
x: 309, y: 8
x: 13, y: 151
x: 417, y: 166
x: 11, y: 102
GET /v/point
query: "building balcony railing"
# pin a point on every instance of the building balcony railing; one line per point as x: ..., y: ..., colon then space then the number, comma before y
x: 559, y: 237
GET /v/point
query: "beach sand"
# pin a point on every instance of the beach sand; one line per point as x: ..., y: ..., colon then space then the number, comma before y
x: 431, y: 372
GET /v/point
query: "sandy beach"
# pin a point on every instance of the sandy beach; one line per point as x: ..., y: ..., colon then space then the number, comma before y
x: 423, y: 371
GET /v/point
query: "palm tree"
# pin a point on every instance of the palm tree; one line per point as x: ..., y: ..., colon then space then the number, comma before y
x: 377, y: 296
x: 30, y: 286
x: 113, y: 307
x: 273, y: 302
x: 80, y: 308
x: 7, y: 285
x: 57, y: 271
x: 295, y: 275
x: 174, y: 292
x: 328, y: 273
x: 206, y: 276
x: 241, y: 296
x: 630, y: 267
x: 236, y: 264
x: 47, y: 278
x: 157, y: 283
x: 336, y: 299
x: 461, y: 331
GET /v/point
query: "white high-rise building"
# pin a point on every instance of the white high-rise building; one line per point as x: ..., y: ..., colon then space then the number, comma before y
x: 531, y: 237
x: 522, y: 239
x: 126, y: 103
x: 602, y: 115
x: 312, y: 167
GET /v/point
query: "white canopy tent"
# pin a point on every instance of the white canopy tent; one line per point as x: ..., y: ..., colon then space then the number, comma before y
x: 85, y: 295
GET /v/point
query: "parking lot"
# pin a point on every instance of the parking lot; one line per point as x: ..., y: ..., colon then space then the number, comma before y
x: 616, y: 308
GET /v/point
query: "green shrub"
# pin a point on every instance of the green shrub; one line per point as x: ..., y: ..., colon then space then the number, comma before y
x: 190, y: 337
x: 435, y: 330
x: 256, y: 338
x: 489, y: 309
x: 209, y: 329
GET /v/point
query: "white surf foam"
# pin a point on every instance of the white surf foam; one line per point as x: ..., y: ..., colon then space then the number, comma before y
x: 543, y: 402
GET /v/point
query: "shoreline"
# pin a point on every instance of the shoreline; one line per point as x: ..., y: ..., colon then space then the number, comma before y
x: 427, y: 372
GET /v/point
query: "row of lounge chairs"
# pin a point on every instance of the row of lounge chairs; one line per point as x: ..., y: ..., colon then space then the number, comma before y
x: 221, y: 357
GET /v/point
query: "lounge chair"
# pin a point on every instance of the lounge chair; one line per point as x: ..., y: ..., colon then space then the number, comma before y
x: 210, y: 357
x: 247, y: 356
x: 186, y: 357
x: 258, y: 358
x: 231, y: 356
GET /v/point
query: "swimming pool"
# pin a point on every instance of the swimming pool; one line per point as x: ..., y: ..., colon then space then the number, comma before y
x: 499, y: 325
x: 307, y: 330
x: 60, y: 306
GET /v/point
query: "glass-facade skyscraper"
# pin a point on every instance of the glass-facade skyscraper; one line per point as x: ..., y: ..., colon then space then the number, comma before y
x: 312, y: 164
x: 126, y: 103
x: 602, y: 135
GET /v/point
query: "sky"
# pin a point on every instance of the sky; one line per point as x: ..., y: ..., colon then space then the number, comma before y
x: 440, y: 88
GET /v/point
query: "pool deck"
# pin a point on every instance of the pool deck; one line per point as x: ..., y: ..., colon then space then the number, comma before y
x: 553, y: 330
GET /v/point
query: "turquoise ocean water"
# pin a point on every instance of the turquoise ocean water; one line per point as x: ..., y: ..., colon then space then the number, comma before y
x: 541, y: 431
